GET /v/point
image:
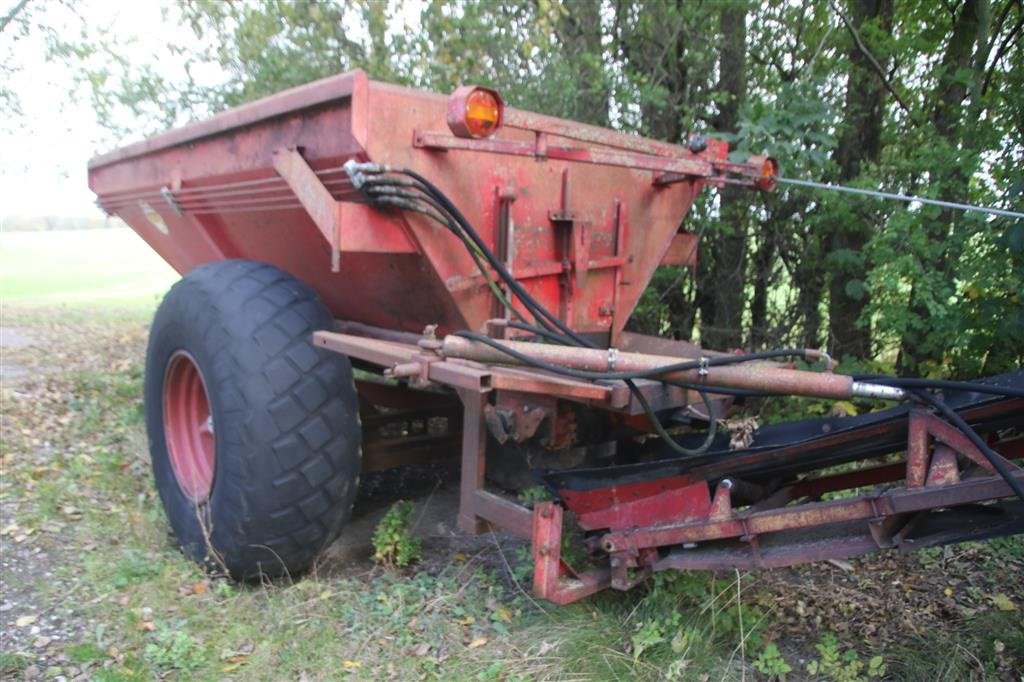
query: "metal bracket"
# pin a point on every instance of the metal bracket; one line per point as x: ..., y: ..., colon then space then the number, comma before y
x: 552, y: 578
x: 314, y: 197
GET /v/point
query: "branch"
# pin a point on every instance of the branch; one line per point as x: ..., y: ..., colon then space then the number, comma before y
x: 874, y: 63
x: 12, y: 14
x: 819, y: 49
x: 1006, y: 42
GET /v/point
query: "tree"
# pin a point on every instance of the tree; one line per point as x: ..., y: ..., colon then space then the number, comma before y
x: 859, y: 151
x: 903, y: 96
x: 722, y: 281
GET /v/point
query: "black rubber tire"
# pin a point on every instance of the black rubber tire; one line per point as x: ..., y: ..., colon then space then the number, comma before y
x: 285, y: 414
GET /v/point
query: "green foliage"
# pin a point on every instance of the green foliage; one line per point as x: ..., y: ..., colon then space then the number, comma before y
x: 843, y: 666
x: 933, y: 291
x: 393, y: 542
x: 771, y: 663
x: 533, y: 495
x: 173, y: 648
x: 685, y: 614
x: 85, y: 652
x: 12, y: 664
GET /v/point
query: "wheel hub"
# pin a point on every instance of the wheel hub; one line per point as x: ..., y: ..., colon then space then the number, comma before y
x: 188, y: 427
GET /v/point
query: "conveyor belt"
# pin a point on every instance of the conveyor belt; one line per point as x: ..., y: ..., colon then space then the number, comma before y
x: 782, y: 450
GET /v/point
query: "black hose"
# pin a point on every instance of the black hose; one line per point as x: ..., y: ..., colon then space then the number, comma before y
x: 993, y: 457
x: 532, y: 304
x: 437, y: 199
x: 549, y: 323
x: 942, y: 384
x: 547, y: 319
x: 560, y: 339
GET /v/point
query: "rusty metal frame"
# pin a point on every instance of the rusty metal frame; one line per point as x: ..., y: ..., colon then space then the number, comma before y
x: 771, y: 534
x: 553, y: 578
x: 790, y: 525
x: 314, y: 197
x: 668, y: 169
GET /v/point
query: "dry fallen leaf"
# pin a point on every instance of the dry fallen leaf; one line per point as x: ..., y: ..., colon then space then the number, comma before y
x: 1003, y: 603
x: 25, y: 621
x: 478, y: 642
x: 352, y: 665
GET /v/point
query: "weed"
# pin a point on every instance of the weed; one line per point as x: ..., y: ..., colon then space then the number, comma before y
x: 1007, y: 549
x: 843, y: 666
x: 393, y: 542
x: 173, y: 648
x: 522, y: 567
x: 531, y: 496
x: 12, y: 663
x: 85, y: 652
x: 771, y: 663
x: 929, y: 556
x: 134, y: 567
x: 687, y: 616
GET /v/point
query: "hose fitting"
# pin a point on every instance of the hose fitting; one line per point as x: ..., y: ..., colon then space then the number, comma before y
x: 861, y: 389
x: 358, y: 172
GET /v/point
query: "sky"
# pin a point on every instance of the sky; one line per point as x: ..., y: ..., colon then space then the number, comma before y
x: 43, y: 155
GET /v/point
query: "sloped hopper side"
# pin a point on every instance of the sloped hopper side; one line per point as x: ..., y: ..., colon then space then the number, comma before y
x: 209, y: 192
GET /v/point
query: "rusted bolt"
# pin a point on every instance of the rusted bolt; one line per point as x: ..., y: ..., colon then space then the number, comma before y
x: 608, y: 546
x: 545, y: 512
x: 543, y: 551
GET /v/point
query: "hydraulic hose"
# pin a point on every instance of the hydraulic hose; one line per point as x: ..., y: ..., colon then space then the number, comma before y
x: 405, y: 193
x: 993, y: 457
x: 944, y: 385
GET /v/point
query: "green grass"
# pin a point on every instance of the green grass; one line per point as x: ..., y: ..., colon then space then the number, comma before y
x: 75, y: 462
x: 111, y: 267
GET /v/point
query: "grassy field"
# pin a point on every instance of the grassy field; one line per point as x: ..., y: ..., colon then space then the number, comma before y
x: 112, y: 267
x: 93, y: 587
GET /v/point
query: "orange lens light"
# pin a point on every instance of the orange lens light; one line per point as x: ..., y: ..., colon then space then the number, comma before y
x: 475, y: 112
x: 769, y: 174
x: 483, y: 113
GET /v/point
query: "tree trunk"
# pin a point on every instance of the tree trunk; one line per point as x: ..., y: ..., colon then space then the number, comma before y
x: 580, y: 33
x: 722, y: 287
x: 968, y: 43
x: 860, y: 143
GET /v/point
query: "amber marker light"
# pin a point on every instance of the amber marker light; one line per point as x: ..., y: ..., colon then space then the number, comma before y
x: 475, y: 112
x: 768, y: 172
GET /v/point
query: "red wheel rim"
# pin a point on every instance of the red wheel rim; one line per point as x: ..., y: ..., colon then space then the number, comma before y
x: 188, y: 427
